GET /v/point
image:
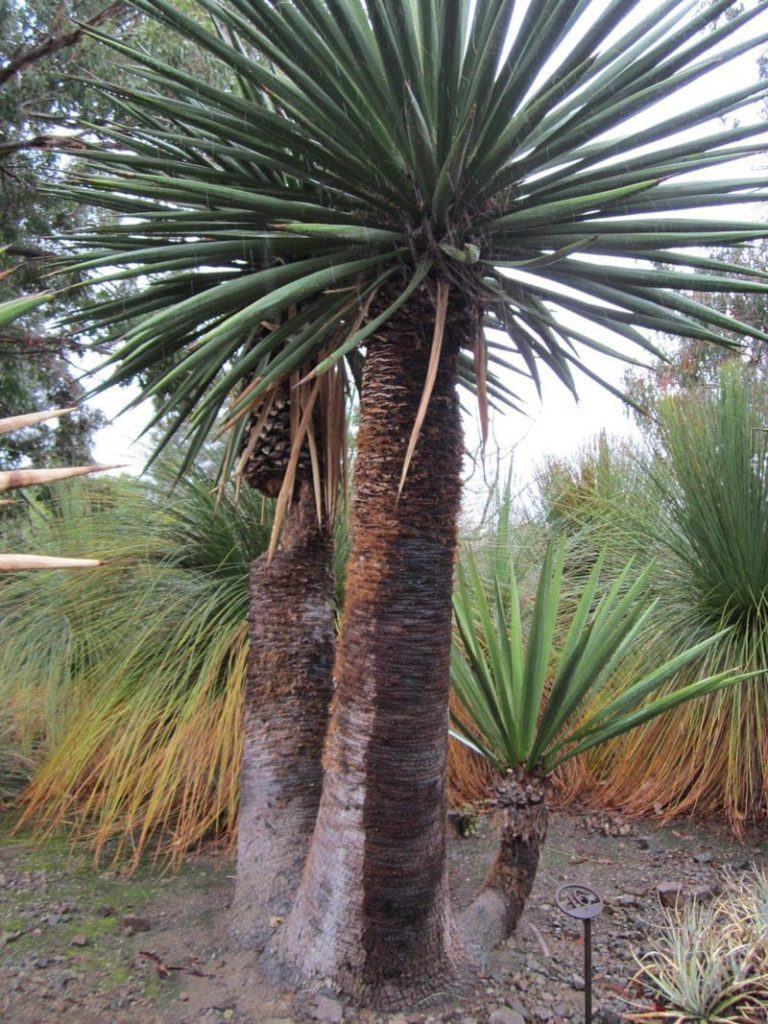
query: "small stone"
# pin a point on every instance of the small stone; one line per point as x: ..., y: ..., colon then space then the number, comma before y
x: 223, y: 1004
x: 3, y: 880
x: 326, y: 1008
x: 228, y: 1014
x: 670, y: 894
x: 702, y: 858
x: 506, y: 1015
x: 741, y: 865
x: 702, y: 892
x: 184, y: 996
x: 135, y: 923
x: 636, y: 890
x: 562, y: 1010
x: 674, y: 894
x: 650, y: 843
x: 577, y: 982
x: 608, y: 1015
x: 625, y: 901
x: 6, y: 938
x: 79, y: 939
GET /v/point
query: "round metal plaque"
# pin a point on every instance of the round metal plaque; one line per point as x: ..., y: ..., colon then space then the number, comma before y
x: 578, y: 901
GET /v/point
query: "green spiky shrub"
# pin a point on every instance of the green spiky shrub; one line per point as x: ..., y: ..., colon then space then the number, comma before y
x: 591, y: 496
x: 123, y: 685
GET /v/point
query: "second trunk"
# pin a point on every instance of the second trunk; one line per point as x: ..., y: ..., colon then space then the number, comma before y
x: 288, y: 693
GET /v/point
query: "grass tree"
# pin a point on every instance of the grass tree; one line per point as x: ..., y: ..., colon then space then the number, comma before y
x: 704, y: 516
x: 390, y: 180
x: 133, y: 746
x: 537, y: 690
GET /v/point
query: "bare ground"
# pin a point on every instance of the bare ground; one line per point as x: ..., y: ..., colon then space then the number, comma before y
x: 70, y: 952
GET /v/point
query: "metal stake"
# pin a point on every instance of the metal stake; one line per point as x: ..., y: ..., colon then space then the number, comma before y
x: 582, y: 904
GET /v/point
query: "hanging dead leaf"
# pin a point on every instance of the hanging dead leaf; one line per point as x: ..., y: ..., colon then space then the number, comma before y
x: 441, y: 312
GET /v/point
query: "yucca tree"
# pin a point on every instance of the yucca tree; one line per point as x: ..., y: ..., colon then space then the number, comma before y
x: 537, y: 690
x: 390, y: 179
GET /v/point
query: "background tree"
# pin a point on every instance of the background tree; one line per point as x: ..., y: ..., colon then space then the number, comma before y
x: 390, y: 182
x: 691, y: 363
x: 46, y: 63
x: 41, y: 48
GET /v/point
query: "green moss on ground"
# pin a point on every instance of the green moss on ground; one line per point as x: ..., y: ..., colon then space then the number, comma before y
x: 61, y: 927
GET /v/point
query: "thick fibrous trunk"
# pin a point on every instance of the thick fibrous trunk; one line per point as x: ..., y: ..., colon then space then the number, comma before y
x: 372, y: 912
x: 522, y: 819
x: 288, y: 694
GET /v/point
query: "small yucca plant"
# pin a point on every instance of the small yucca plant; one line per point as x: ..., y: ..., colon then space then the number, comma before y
x: 535, y: 689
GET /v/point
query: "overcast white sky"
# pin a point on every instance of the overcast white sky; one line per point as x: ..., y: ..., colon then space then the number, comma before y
x: 557, y: 425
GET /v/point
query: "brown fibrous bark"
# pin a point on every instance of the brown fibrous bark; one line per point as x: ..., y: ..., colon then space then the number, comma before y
x: 288, y: 692
x: 372, y: 913
x: 521, y: 807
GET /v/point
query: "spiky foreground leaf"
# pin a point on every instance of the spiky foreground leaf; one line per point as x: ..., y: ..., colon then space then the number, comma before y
x: 30, y: 419
x: 373, y: 148
x: 18, y: 478
x: 19, y: 563
x: 15, y: 308
x: 12, y: 479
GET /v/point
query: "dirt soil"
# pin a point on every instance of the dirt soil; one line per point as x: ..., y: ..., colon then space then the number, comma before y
x: 94, y: 947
